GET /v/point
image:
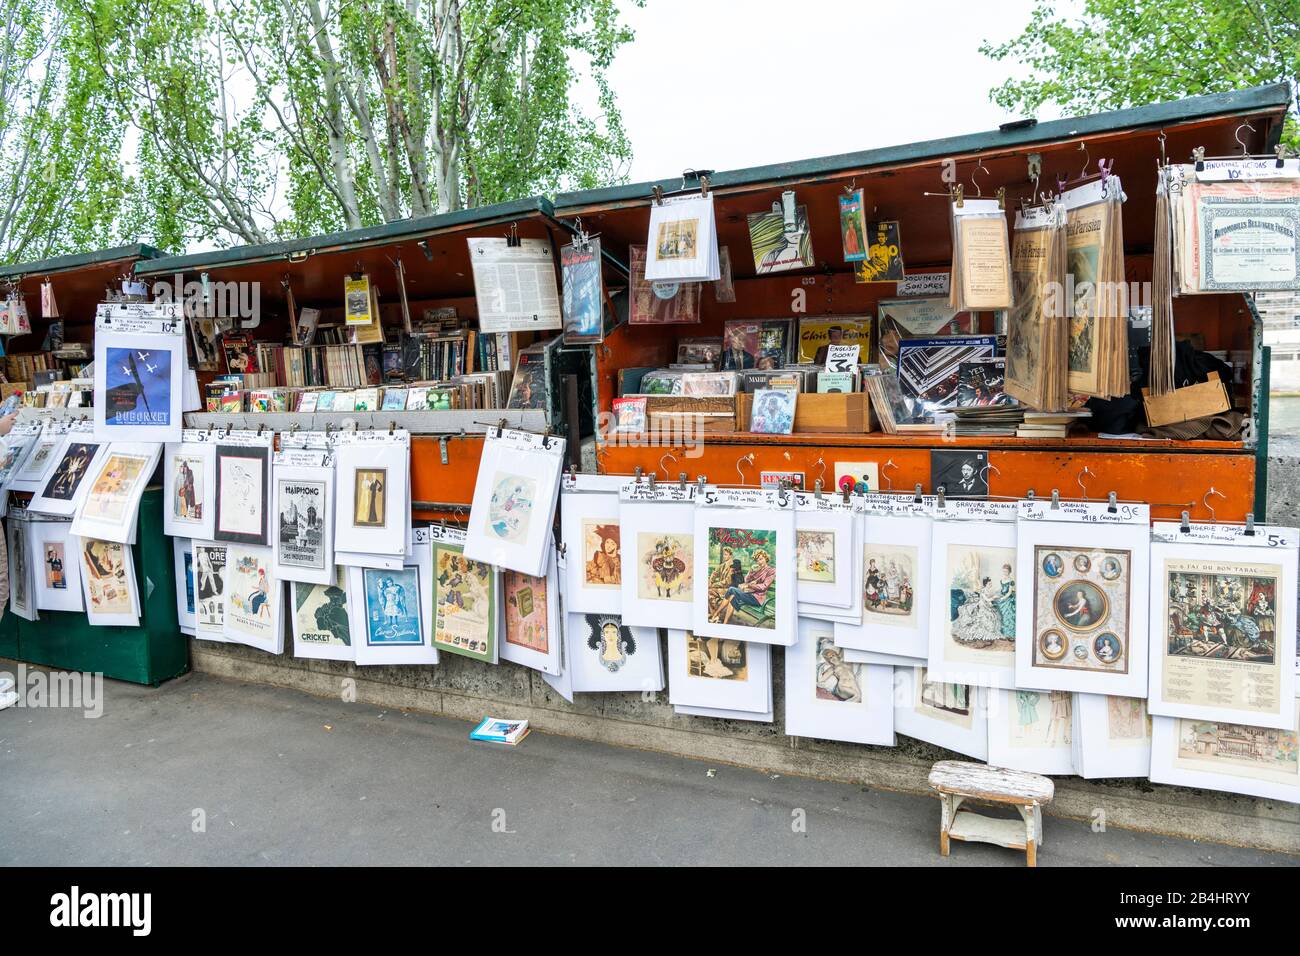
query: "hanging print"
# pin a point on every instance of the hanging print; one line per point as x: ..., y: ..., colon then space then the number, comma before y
x: 370, y: 497
x: 392, y: 607
x: 252, y: 599
x: 209, y: 583
x: 321, y: 628
x: 742, y: 577
x: 139, y: 383
x: 464, y: 599
x: 139, y: 375
x: 108, y: 581
x: 242, y: 491
x: 510, y: 507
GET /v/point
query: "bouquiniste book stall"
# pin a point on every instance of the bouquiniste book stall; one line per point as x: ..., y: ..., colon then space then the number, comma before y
x: 900, y: 422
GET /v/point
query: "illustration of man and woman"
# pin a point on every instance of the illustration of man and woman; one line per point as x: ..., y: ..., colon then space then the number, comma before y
x: 605, y: 565
x: 751, y: 591
x: 890, y: 589
x: 185, y: 503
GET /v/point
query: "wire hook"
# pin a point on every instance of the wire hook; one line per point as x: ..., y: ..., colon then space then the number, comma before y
x: 1082, y: 488
x: 984, y: 472
x: 745, y: 458
x: 1245, y: 151
x: 889, y: 484
x: 671, y: 456
x: 1087, y: 158
x: 1206, y: 501
x: 821, y: 475
x: 979, y: 168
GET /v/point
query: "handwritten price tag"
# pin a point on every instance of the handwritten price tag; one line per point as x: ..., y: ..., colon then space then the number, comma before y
x: 1088, y: 512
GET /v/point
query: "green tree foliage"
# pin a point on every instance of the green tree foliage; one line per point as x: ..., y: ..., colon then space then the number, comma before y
x: 1121, y: 53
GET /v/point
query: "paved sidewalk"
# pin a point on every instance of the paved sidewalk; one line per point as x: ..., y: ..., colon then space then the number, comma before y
x: 283, y: 778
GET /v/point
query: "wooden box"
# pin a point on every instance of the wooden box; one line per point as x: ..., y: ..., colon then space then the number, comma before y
x: 714, y: 414
x: 832, y: 412
x: 1184, y: 404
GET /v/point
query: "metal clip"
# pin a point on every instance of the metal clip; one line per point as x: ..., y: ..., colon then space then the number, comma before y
x: 817, y: 489
x: 659, y: 194
x: 442, y: 448
x: 1110, y: 503
x: 650, y: 481
x: 1250, y: 524
x: 1056, y: 500
x: 1186, y: 525
x: 636, y: 474
x: 845, y: 492
x: 681, y: 479
x: 392, y: 428
x: 939, y: 504
x: 917, y: 497
x: 700, y: 482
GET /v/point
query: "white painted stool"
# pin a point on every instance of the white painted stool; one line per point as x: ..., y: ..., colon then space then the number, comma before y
x: 957, y: 781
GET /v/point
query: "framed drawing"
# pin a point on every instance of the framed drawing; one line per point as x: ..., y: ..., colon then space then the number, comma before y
x: 254, y: 599
x: 112, y: 499
x: 186, y: 591
x: 973, y: 596
x: 243, y: 489
x: 1031, y: 730
x: 303, y: 505
x: 590, y: 530
x: 658, y: 527
x: 514, y: 500
x: 189, y: 480
x: 1258, y: 761
x: 719, y: 673
x: 1111, y: 736
x: 466, y: 598
x: 531, y: 611
x: 386, y: 609
x: 953, y: 716
x: 894, y: 582
x: 1222, y: 614
x: 1082, y: 625
x: 829, y: 698
x: 108, y: 582
x: 55, y: 567
x: 319, y: 613
x: 210, y: 590
x: 744, y: 567
x: 607, y: 655
x: 827, y: 543
x: 65, y: 488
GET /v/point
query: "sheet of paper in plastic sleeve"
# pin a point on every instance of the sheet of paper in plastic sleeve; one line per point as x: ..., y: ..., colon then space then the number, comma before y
x: 112, y: 500
x: 55, y: 566
x: 108, y: 582
x: 828, y: 541
x: 243, y: 487
x: 18, y: 445
x: 590, y: 530
x: 657, y: 527
x: 189, y: 485
x: 514, y: 500
x: 515, y: 286
x: 139, y: 380
x: 744, y: 566
x: 65, y: 489
x: 183, y: 570
x: 719, y: 673
x: 1222, y: 623
x: 530, y: 633
x: 973, y: 597
x: 389, y: 622
x: 828, y: 698
x: 952, y: 716
x: 1031, y: 730
x: 303, y: 505
x: 1081, y: 614
x: 254, y: 599
x: 682, y: 244
x: 319, y: 616
x: 22, y: 583
x: 372, y: 495
x: 465, y: 597
x: 607, y: 655
x: 210, y: 579
x: 1236, y: 758
x: 1110, y: 737
x: 46, y: 453
x: 894, y: 579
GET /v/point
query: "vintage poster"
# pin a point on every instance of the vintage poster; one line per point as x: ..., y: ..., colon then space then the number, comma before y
x: 392, y: 607
x: 832, y: 698
x: 68, y: 474
x: 20, y: 572
x: 189, y: 501
x: 40, y: 461
x: 242, y: 492
x: 835, y: 678
x: 781, y: 242
x: 725, y: 676
x: 138, y: 387
x: 107, y: 577
x: 464, y: 598
x: 610, y: 641
x: 605, y: 655
x: 665, y: 566
x: 981, y: 590
x: 853, y: 226
x: 301, y: 516
x: 510, y: 508
x: 815, y: 555
x: 1220, y: 645
x: 742, y: 577
x: 370, y: 498
x: 112, y: 495
x: 888, y: 588
x: 1040, y: 719
x: 251, y: 595
x: 1237, y: 750
x: 601, y: 557
x: 950, y: 715
x: 320, y: 617
x: 210, y: 587
x: 54, y: 560
x: 1081, y: 608
x: 660, y: 303
x: 951, y: 703
x: 582, y: 293
x: 884, y: 259
x: 527, y: 620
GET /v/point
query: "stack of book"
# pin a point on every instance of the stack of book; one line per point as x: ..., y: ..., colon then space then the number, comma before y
x: 1050, y: 424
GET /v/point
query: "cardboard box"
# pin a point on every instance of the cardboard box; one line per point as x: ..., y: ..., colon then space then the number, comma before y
x: 1183, y: 404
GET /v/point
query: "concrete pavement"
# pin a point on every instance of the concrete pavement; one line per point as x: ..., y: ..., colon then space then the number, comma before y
x: 208, y: 771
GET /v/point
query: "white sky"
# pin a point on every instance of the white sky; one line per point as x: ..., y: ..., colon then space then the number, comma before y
x: 725, y: 84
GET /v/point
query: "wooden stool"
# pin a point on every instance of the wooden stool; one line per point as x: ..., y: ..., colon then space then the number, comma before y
x: 957, y: 781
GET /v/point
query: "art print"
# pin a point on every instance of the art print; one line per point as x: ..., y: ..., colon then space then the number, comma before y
x: 961, y: 474
x: 742, y: 577
x: 392, y: 607
x: 107, y: 587
x: 249, y: 592
x: 780, y: 242
x: 832, y: 698
x: 581, y: 291
x: 660, y: 303
x: 1127, y: 720
x: 858, y: 477
x: 665, y: 566
x: 888, y: 585
x: 111, y: 495
x: 602, y: 561
x: 464, y: 596
x: 189, y: 498
x: 1222, y: 613
x: 1237, y: 750
x: 370, y: 497
x: 54, y: 560
x: 241, y: 493
x: 526, y: 611
x: 815, y: 555
x: 678, y: 239
x: 511, y: 506
x: 187, y: 572
x: 210, y: 586
x: 1040, y: 719
x: 138, y: 387
x: 39, y: 460
x: 951, y: 703
x: 19, y: 575
x: 321, y: 614
x: 717, y: 658
x: 301, y: 517
x: 835, y: 678
x: 611, y: 642
x: 68, y: 475
x: 884, y: 259
x: 1081, y: 602
x: 981, y: 602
